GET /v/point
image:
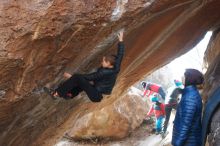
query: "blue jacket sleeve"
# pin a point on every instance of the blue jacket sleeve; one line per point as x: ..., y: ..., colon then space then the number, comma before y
x: 189, y: 108
x: 119, y: 56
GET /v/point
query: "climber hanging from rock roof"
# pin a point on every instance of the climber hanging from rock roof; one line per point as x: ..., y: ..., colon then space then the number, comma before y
x: 94, y: 84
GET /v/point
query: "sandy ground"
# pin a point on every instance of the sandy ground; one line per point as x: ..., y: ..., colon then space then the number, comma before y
x: 156, y: 140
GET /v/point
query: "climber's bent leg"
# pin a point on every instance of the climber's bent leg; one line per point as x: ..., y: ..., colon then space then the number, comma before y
x: 79, y: 82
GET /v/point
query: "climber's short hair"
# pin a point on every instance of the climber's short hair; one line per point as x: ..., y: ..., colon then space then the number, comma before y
x: 111, y: 59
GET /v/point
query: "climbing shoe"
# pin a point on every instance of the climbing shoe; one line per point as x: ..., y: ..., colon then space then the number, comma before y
x: 50, y: 92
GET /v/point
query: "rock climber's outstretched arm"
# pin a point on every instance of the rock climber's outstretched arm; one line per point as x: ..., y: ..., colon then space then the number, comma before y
x: 120, y: 52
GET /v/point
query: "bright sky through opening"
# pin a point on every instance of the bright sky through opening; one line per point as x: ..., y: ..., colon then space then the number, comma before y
x: 192, y: 59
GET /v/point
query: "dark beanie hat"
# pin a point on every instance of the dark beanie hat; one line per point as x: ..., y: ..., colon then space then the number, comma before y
x: 193, y: 77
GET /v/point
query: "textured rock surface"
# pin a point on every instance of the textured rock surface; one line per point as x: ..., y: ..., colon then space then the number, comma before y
x: 39, y: 40
x: 212, y: 80
x: 214, y: 136
x: 115, y: 121
x: 212, y: 62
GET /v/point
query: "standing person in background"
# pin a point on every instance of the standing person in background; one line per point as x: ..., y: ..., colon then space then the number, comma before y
x: 171, y: 102
x: 187, y: 128
x: 150, y: 89
x: 158, y: 109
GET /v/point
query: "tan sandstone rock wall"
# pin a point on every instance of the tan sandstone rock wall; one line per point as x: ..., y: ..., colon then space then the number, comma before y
x: 39, y: 40
x: 212, y: 63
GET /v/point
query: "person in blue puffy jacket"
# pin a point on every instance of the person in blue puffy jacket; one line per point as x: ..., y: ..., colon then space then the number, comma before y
x: 187, y: 124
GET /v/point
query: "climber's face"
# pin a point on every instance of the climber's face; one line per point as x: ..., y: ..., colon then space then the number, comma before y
x: 105, y: 63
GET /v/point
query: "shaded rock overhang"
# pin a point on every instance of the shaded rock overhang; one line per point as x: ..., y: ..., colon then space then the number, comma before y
x: 40, y: 40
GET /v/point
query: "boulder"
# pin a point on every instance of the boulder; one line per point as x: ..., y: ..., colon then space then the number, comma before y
x: 114, y: 121
x: 39, y: 40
